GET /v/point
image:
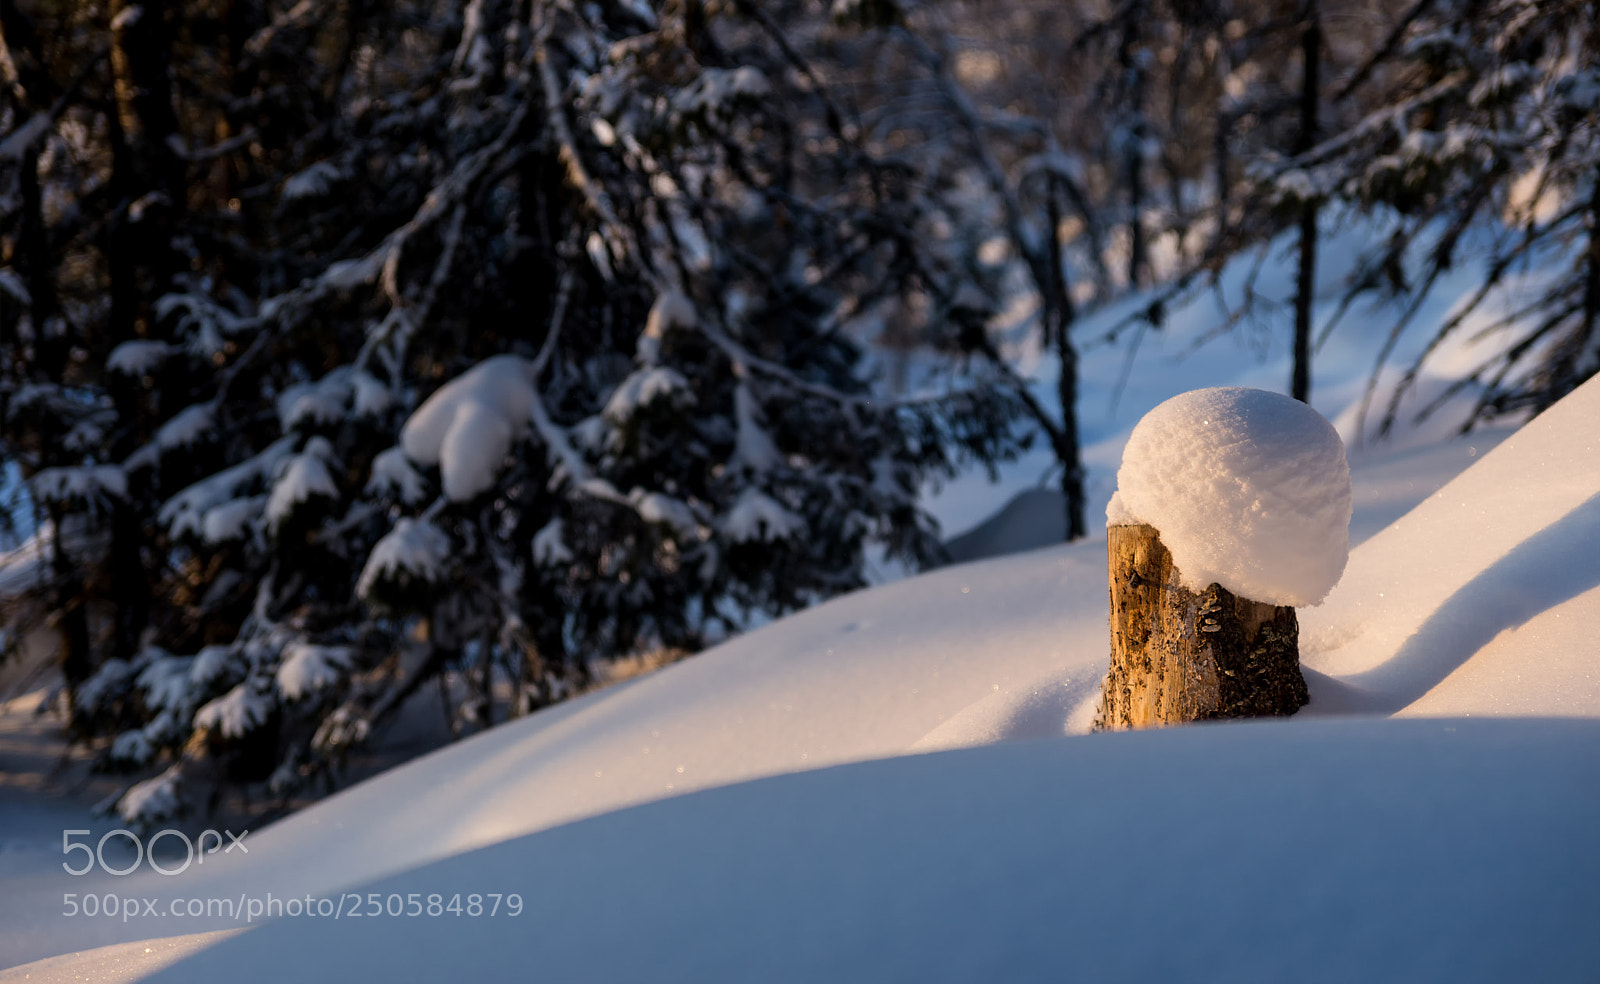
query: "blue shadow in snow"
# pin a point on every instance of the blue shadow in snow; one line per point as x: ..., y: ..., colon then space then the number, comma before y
x: 1554, y: 565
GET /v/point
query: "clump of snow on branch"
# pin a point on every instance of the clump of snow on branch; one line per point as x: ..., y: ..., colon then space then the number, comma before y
x: 305, y: 478
x: 235, y: 712
x: 139, y: 357
x: 185, y: 513
x: 643, y: 388
x: 670, y: 310
x: 92, y: 484
x: 549, y: 549
x: 753, y: 446
x: 393, y: 475
x: 468, y: 425
x: 315, y: 181
x: 654, y: 507
x: 330, y: 399
x: 232, y: 520
x: 756, y: 516
x: 415, y: 550
x: 308, y: 668
x: 154, y: 799
x: 190, y: 426
x: 1248, y: 489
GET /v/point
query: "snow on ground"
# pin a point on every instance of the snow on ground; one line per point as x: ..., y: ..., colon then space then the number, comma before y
x: 1351, y: 850
x: 1455, y: 845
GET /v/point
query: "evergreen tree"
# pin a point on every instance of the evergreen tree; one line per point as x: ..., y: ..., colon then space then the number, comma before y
x: 493, y: 348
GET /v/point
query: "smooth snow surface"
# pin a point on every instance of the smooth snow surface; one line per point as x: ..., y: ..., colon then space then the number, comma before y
x: 1248, y: 489
x: 1509, y: 540
x: 1333, y: 851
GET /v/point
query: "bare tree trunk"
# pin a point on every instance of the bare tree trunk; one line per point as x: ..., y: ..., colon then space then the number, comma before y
x: 1306, y: 282
x: 149, y: 170
x: 1130, y: 55
x: 1061, y: 312
x: 1178, y: 656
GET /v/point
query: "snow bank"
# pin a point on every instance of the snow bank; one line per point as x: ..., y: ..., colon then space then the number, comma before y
x: 1323, y: 851
x: 1484, y: 564
x: 1249, y: 489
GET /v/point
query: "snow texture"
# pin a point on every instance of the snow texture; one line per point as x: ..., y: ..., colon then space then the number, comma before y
x: 95, y: 483
x: 232, y: 520
x: 315, y: 181
x: 154, y: 797
x: 235, y: 712
x: 210, y: 663
x: 654, y: 507
x: 976, y: 865
x: 469, y: 424
x: 307, y: 668
x: 1248, y: 489
x: 328, y: 400
x: 185, y: 512
x: 392, y: 474
x: 643, y: 388
x: 753, y: 446
x: 671, y: 310
x: 189, y: 426
x: 306, y: 477
x: 166, y: 681
x: 415, y: 549
x: 549, y: 549
x: 756, y: 516
x: 139, y: 357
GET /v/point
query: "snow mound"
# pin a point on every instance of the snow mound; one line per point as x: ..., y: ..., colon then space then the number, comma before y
x: 1249, y: 489
x: 1350, y: 850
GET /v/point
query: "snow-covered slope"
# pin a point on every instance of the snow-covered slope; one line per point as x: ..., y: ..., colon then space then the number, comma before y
x: 1453, y: 609
x: 1335, y: 851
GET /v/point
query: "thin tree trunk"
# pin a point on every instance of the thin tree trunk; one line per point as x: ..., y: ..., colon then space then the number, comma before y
x: 1306, y: 281
x: 1132, y: 150
x: 1059, y: 315
x: 149, y: 165
x: 1178, y: 656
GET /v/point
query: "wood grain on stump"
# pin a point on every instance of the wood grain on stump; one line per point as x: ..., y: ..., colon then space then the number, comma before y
x: 1178, y: 656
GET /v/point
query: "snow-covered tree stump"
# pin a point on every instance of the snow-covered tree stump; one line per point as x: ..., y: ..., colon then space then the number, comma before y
x: 1179, y: 656
x: 1232, y: 508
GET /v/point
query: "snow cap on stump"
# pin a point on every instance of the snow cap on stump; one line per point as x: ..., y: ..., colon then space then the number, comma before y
x: 1248, y: 489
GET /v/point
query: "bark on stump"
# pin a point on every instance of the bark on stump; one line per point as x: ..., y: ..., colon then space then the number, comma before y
x: 1178, y: 656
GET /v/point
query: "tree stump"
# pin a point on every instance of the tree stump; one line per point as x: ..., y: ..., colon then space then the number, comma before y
x: 1178, y: 656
